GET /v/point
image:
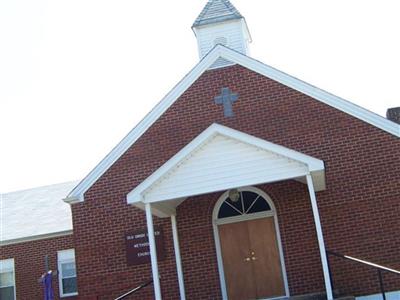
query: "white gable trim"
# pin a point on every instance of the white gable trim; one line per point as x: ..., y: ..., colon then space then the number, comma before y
x: 314, y: 166
x: 77, y: 194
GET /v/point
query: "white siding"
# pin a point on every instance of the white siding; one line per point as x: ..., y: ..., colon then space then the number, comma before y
x: 232, y: 31
x: 219, y: 164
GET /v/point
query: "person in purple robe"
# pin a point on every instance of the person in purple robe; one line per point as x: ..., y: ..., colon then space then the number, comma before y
x: 47, y: 280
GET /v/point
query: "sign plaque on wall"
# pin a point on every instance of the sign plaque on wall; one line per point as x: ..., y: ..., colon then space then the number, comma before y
x: 138, y: 249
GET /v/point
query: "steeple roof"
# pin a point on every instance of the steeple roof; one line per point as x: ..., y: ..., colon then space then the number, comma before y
x: 217, y: 11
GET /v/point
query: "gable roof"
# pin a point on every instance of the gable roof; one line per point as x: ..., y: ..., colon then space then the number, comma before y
x: 217, y: 11
x: 221, y: 158
x: 35, y: 213
x: 219, y: 51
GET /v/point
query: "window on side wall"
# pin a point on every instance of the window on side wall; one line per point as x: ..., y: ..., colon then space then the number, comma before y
x: 67, y: 273
x: 7, y: 280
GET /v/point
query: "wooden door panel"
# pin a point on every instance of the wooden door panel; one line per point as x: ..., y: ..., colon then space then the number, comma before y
x: 234, y: 239
x: 267, y: 268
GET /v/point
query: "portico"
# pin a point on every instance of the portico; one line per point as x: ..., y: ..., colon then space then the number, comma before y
x: 223, y: 159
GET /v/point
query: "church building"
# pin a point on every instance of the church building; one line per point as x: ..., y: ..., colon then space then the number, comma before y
x: 242, y: 183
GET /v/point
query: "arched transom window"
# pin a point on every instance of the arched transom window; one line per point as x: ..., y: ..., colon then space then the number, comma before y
x: 246, y: 203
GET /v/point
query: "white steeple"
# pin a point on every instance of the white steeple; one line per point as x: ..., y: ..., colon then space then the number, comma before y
x: 221, y: 23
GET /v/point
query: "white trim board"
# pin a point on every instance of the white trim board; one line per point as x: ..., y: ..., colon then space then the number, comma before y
x: 219, y: 51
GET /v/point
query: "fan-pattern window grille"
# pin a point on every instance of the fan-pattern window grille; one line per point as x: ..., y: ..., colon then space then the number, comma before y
x: 248, y: 203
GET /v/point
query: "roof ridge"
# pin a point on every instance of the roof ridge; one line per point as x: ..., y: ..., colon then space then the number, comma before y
x: 230, y: 6
x: 217, y: 11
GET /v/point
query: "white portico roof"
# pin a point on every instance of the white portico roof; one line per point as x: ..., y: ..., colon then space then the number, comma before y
x: 35, y: 213
x: 218, y: 159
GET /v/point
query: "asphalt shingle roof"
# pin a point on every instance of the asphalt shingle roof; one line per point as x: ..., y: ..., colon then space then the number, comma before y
x: 33, y: 212
x: 217, y: 11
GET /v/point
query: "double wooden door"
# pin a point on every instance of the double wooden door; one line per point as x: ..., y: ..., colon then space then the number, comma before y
x: 251, y: 259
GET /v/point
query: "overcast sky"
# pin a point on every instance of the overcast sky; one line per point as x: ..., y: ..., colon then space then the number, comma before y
x: 77, y: 75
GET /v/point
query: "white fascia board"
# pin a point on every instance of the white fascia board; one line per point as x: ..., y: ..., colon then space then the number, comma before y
x: 247, y: 62
x: 72, y: 200
x: 313, y: 164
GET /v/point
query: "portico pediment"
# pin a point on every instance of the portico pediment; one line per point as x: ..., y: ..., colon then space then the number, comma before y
x: 222, y: 158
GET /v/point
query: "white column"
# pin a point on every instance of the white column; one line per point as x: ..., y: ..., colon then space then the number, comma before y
x: 178, y: 257
x: 320, y: 237
x: 153, y: 252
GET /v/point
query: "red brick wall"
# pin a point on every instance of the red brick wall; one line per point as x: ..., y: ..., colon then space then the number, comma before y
x: 359, y: 209
x: 29, y: 260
